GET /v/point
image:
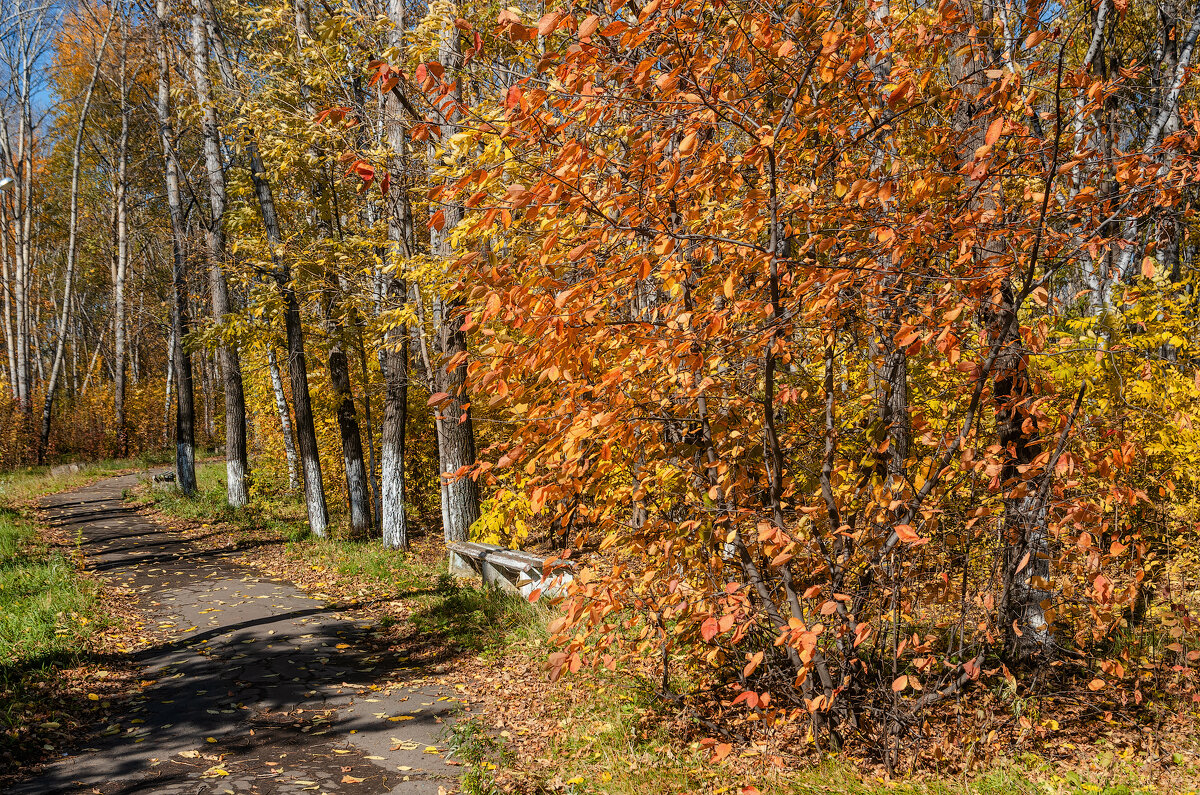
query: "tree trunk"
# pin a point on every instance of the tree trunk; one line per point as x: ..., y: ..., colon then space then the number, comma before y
x: 122, y: 267
x: 9, y: 337
x: 306, y: 433
x: 237, y: 467
x: 72, y: 246
x: 1023, y: 523
x: 352, y: 452
x: 285, y: 421
x: 394, y: 521
x: 185, y: 443
x: 1027, y: 545
x: 394, y: 358
x: 166, y: 434
x: 456, y: 448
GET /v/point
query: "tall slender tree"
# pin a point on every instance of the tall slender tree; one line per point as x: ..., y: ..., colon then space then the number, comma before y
x: 237, y: 466
x: 185, y: 442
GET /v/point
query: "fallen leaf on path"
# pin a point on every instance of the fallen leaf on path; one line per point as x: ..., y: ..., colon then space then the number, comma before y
x: 352, y: 780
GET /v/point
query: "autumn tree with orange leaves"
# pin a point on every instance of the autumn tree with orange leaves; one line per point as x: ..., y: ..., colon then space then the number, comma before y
x: 817, y: 318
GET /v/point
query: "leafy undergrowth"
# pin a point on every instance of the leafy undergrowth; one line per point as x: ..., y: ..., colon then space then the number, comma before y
x: 600, y: 732
x: 605, y: 733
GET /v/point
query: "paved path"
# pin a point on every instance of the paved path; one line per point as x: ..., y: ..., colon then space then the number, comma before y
x: 264, y: 689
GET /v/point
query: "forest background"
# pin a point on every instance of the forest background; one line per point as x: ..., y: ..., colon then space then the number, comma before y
x: 849, y: 346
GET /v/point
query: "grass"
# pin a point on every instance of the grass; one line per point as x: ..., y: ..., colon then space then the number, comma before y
x: 481, y: 620
x: 46, y: 611
x: 472, y: 744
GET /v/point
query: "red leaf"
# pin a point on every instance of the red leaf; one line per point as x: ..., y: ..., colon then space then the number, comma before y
x: 709, y: 629
x: 749, y: 697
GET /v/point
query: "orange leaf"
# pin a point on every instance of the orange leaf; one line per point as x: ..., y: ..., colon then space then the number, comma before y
x: 1097, y: 684
x: 897, y: 96
x: 993, y: 131
x: 588, y: 26
x: 548, y: 23
x: 1036, y: 38
x: 900, y: 683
